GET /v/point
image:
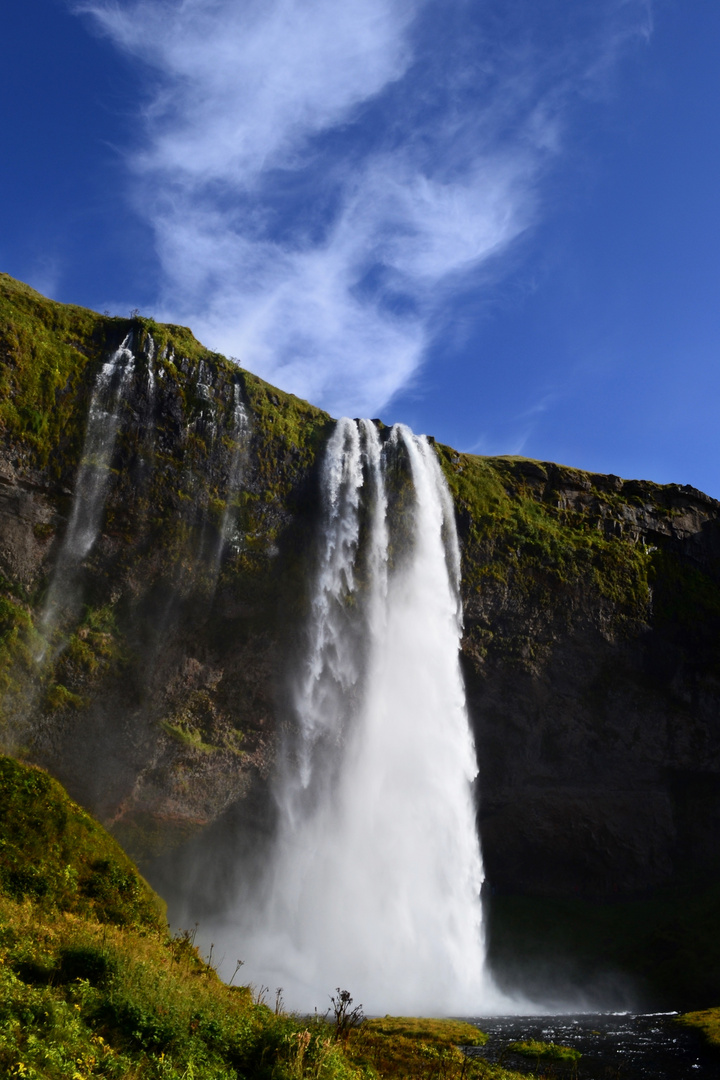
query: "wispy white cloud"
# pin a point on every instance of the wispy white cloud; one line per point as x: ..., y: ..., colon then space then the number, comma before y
x: 321, y: 176
x: 241, y: 86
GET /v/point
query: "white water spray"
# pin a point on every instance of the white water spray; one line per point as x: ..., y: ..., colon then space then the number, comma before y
x: 376, y: 878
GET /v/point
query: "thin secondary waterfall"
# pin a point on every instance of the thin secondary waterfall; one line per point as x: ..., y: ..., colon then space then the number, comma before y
x: 149, y: 351
x: 375, y: 883
x: 91, y: 484
x: 226, y: 431
x: 93, y: 476
x: 240, y: 431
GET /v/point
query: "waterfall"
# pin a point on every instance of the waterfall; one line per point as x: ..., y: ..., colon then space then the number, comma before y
x: 94, y: 473
x: 375, y: 880
x: 240, y: 431
x: 149, y: 350
x: 91, y: 485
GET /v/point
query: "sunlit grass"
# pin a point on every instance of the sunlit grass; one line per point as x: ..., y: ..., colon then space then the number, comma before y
x: 423, y: 1049
x: 92, y: 985
x: 545, y: 1050
x: 707, y: 1021
x: 427, y: 1030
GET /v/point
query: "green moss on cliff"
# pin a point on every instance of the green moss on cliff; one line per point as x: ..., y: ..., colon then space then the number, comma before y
x: 518, y: 532
x: 176, y: 516
x: 44, y: 349
x: 96, y: 647
x: 16, y: 638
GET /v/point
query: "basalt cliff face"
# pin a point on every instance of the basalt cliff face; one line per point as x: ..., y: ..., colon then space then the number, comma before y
x: 148, y: 670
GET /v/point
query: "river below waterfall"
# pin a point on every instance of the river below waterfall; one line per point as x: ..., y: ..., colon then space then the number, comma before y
x: 615, y: 1046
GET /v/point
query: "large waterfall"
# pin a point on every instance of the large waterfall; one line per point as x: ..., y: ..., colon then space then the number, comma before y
x: 375, y: 881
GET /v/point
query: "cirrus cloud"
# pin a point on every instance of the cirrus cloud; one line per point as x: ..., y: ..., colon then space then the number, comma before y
x: 321, y: 177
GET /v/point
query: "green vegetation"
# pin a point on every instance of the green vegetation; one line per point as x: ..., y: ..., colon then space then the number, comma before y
x: 91, y: 985
x: 545, y: 1050
x: 519, y: 529
x: 59, y: 697
x: 44, y: 348
x: 188, y: 736
x: 167, y: 502
x: 707, y: 1021
x: 548, y: 540
x: 410, y: 1047
x: 196, y: 725
x: 54, y: 854
x: 95, y: 644
x: 95, y: 649
x: 285, y: 423
x: 456, y: 1032
x: 82, y: 1000
x: 18, y: 640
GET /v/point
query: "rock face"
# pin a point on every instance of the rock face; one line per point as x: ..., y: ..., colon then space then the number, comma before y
x: 592, y: 664
x: 149, y: 675
x: 596, y: 702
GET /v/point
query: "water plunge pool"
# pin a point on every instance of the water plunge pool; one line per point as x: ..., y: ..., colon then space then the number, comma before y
x: 615, y: 1046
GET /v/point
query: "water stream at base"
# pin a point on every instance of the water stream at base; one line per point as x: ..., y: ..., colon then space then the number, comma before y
x: 375, y: 878
x: 615, y: 1046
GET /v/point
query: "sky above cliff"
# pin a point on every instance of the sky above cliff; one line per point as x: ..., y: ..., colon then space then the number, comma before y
x: 496, y: 221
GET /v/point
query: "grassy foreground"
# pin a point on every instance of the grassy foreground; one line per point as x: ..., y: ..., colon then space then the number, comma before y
x: 92, y: 985
x: 707, y: 1021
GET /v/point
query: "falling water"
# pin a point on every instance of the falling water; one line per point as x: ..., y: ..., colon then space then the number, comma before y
x: 239, y: 432
x: 149, y: 351
x: 376, y: 878
x: 94, y: 473
x: 91, y: 484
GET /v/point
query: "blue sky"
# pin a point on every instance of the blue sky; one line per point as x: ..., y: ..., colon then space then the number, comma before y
x: 495, y: 220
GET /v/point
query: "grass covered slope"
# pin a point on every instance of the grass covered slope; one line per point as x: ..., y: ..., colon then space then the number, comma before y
x: 707, y: 1021
x: 53, y: 853
x: 92, y: 985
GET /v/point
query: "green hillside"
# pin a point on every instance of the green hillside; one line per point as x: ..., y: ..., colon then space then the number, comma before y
x: 92, y: 984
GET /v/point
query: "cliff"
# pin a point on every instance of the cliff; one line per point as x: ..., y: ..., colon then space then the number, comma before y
x: 149, y: 672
